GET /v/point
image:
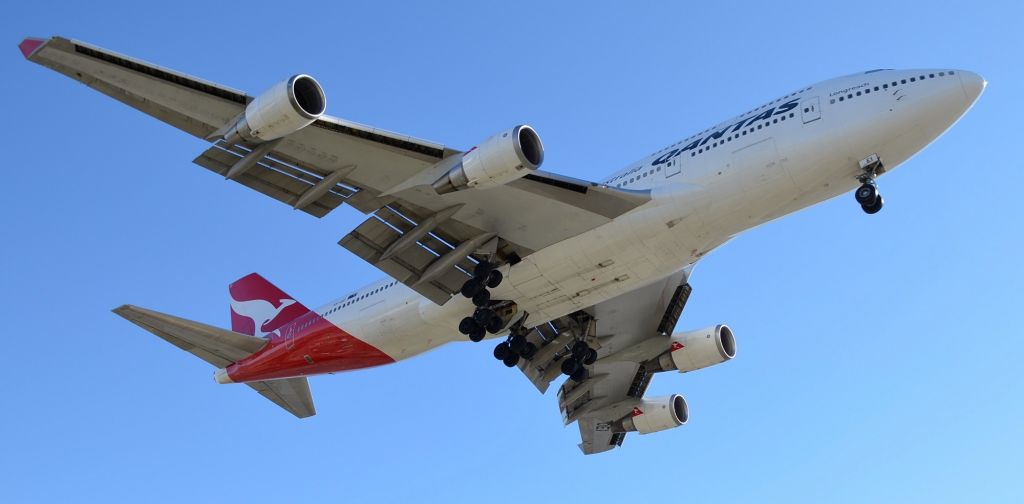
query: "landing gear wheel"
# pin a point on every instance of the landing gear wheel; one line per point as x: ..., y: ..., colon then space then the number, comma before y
x: 480, y: 299
x: 511, y: 359
x: 529, y: 350
x: 501, y: 351
x: 579, y: 375
x: 468, y: 325
x: 866, y: 195
x: 471, y: 287
x: 493, y: 279
x: 482, y: 269
x: 875, y: 207
x: 590, y: 358
x: 477, y: 335
x: 494, y: 324
x: 579, y: 350
x: 570, y: 366
x: 483, y: 315
x: 517, y: 344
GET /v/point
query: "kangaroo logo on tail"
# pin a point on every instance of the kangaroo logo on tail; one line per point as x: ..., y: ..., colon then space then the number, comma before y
x: 260, y: 312
x: 259, y: 308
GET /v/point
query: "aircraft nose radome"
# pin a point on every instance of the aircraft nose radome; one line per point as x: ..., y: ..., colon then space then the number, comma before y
x: 972, y: 83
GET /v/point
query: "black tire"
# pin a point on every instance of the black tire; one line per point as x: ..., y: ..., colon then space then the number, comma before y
x: 579, y: 350
x: 517, y: 343
x: 501, y: 351
x: 480, y: 299
x: 591, y: 357
x: 468, y: 325
x: 493, y: 279
x: 579, y: 375
x: 569, y: 366
x: 482, y: 269
x: 494, y: 324
x: 471, y: 287
x: 482, y: 315
x: 866, y: 195
x: 873, y: 209
x: 511, y: 359
x: 477, y: 335
x: 529, y: 350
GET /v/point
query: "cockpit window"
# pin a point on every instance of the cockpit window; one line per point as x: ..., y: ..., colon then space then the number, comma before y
x: 877, y: 70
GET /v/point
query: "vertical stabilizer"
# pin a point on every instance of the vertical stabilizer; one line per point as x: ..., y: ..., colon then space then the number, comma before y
x: 258, y: 307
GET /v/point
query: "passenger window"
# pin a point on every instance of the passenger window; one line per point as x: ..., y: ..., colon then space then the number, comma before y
x: 904, y: 81
x: 858, y: 93
x: 912, y: 79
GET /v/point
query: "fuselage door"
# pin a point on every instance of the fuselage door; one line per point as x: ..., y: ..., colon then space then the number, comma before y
x: 288, y: 332
x: 810, y: 110
x: 672, y: 167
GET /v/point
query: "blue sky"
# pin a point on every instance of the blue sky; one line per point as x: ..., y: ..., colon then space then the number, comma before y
x: 879, y: 356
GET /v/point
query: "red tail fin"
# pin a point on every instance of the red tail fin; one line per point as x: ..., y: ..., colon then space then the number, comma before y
x: 258, y: 307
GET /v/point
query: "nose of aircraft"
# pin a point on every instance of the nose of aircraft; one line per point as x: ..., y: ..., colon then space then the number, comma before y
x: 973, y: 84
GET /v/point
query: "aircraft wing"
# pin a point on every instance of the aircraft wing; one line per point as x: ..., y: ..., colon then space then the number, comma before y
x: 626, y: 331
x: 333, y: 161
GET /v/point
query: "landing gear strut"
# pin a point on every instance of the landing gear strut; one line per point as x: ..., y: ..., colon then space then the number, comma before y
x: 867, y: 194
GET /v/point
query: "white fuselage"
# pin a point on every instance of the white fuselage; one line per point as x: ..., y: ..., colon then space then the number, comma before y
x: 761, y: 165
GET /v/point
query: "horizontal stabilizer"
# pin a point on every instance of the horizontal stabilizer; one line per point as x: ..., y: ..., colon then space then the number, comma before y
x: 222, y: 348
x: 217, y: 346
x: 291, y: 394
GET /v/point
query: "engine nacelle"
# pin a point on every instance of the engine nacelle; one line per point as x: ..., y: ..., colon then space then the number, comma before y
x: 504, y: 157
x: 283, y: 109
x: 658, y: 414
x: 693, y: 350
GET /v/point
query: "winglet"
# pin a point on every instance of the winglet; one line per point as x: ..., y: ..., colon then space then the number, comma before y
x: 30, y: 45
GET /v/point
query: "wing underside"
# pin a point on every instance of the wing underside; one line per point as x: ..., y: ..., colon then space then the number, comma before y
x: 627, y: 332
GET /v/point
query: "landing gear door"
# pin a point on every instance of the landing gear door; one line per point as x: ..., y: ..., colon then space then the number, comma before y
x: 810, y: 110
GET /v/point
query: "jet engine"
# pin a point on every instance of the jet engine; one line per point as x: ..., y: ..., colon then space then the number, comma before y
x: 658, y: 414
x: 693, y: 350
x: 283, y: 109
x: 504, y: 157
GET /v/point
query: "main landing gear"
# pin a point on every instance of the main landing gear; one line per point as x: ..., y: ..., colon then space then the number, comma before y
x: 574, y: 363
x: 575, y: 356
x: 486, y: 318
x: 867, y: 194
x: 516, y: 346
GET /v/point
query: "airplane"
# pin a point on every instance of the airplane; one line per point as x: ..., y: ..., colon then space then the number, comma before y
x: 574, y: 278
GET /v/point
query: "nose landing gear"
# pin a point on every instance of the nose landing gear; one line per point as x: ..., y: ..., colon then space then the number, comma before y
x: 867, y: 194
